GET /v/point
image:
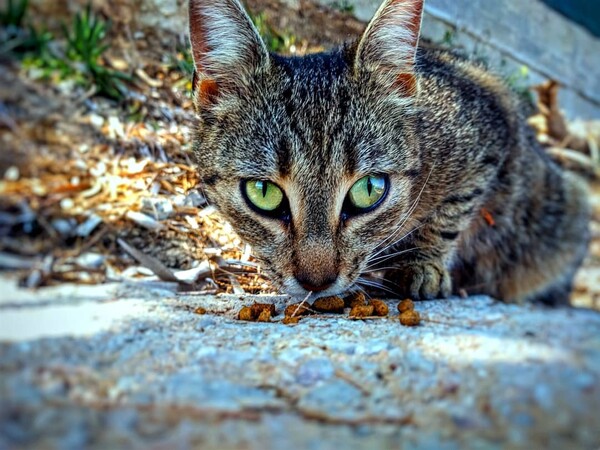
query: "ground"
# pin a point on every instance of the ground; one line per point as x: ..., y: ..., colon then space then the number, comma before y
x: 132, y: 365
x: 110, y: 253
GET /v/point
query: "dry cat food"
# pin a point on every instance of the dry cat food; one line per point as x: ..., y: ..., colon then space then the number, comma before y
x: 258, y: 308
x: 355, y: 299
x: 264, y: 316
x: 258, y: 312
x: 288, y: 320
x: 331, y: 304
x: 263, y: 312
x: 380, y: 308
x: 374, y: 308
x: 246, y: 314
x: 294, y: 311
x: 297, y: 309
x: 200, y: 310
x: 410, y: 318
x: 406, y: 305
x: 361, y: 311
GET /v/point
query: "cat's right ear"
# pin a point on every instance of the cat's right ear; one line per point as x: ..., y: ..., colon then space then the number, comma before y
x: 226, y: 47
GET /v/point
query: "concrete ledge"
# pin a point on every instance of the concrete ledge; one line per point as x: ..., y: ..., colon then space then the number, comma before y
x: 142, y: 370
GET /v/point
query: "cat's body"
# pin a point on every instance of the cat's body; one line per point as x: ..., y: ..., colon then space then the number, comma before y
x: 467, y: 197
x: 512, y: 224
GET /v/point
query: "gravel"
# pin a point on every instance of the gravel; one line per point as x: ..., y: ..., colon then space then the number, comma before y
x: 133, y: 366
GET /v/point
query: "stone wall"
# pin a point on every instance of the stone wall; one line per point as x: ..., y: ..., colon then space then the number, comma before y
x: 512, y: 34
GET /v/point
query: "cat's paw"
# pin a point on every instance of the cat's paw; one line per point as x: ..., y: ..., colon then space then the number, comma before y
x: 423, y: 280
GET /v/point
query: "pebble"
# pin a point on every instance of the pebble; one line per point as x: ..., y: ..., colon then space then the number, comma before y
x: 96, y: 120
x: 115, y: 128
x: 12, y: 173
x: 67, y: 203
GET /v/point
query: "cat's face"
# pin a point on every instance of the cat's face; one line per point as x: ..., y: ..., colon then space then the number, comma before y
x: 313, y: 161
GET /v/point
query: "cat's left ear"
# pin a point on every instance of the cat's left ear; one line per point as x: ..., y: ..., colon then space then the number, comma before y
x: 226, y: 47
x: 388, y: 47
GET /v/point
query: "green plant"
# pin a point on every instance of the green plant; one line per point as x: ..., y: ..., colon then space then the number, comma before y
x: 449, y: 38
x: 518, y: 81
x: 276, y: 41
x: 17, y: 40
x: 343, y: 6
x: 85, y: 37
x: 14, y: 13
x: 85, y: 47
x: 183, y: 61
x: 80, y: 58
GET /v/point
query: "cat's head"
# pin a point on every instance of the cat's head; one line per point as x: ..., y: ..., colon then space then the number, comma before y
x: 312, y: 160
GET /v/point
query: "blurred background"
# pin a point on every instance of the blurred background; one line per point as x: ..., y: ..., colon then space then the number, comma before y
x: 96, y: 178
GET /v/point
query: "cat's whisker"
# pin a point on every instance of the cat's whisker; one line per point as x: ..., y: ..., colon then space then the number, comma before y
x: 394, y: 239
x: 385, y: 290
x: 373, y: 259
x: 382, y: 280
x: 377, y: 269
x: 408, y: 214
x: 372, y: 263
x: 375, y: 284
x: 399, y: 228
x: 375, y: 256
x: 363, y: 290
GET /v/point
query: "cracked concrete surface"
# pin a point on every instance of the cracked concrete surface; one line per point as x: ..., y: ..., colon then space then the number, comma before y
x: 132, y: 366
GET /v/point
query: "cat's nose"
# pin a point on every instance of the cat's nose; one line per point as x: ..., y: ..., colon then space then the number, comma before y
x: 315, y: 284
x: 310, y: 287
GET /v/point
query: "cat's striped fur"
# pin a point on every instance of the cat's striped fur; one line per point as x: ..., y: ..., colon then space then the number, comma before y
x: 473, y: 203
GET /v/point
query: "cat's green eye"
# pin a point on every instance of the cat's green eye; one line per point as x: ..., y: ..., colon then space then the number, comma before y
x: 367, y: 192
x: 264, y: 195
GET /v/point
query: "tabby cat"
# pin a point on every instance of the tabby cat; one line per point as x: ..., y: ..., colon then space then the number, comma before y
x: 381, y: 156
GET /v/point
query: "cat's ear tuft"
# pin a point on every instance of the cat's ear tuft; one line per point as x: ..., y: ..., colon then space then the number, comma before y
x: 226, y: 47
x: 388, y: 47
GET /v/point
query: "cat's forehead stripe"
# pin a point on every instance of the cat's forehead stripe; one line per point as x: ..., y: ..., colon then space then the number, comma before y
x: 317, y: 119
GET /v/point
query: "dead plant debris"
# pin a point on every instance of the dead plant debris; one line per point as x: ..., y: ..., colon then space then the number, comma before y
x: 297, y: 310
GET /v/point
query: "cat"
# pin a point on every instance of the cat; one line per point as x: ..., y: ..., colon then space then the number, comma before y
x: 381, y: 156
